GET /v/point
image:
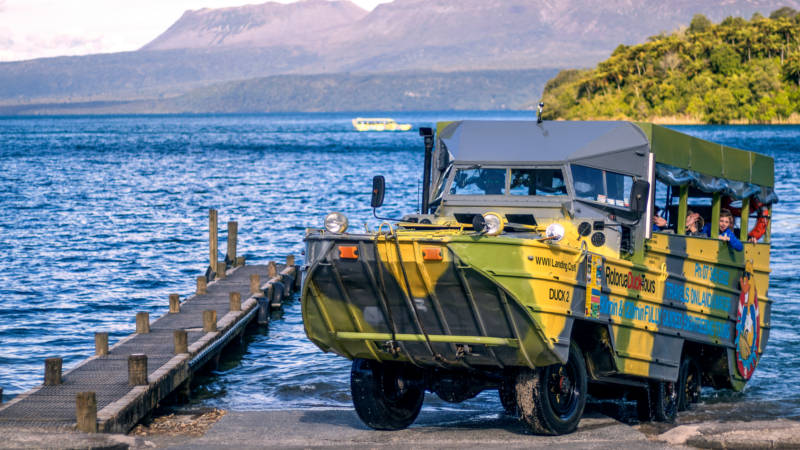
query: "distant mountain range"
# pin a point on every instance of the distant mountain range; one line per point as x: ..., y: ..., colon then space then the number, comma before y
x: 317, y: 36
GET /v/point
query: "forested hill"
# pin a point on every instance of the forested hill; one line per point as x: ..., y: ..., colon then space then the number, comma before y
x: 737, y: 71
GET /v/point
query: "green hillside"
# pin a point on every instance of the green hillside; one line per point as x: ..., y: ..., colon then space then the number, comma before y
x: 737, y: 71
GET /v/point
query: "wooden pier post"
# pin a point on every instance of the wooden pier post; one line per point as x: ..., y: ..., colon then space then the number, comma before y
x: 101, y: 344
x: 235, y: 300
x: 209, y: 320
x: 137, y: 369
x: 174, y: 303
x: 212, y: 239
x: 233, y: 234
x: 180, y: 341
x: 86, y: 412
x: 52, y: 371
x: 272, y: 270
x: 202, y: 286
x: 223, y: 267
x: 142, y: 322
x: 255, y: 285
x: 239, y: 261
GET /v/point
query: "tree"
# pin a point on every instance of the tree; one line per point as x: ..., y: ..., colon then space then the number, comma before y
x: 700, y: 24
x: 724, y: 60
x: 791, y: 69
x: 783, y: 12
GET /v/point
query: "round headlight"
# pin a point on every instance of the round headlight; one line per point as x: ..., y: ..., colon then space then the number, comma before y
x: 554, y: 232
x: 336, y: 222
x: 494, y: 224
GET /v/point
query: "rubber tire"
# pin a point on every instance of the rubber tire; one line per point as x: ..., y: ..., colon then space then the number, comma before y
x: 534, y: 401
x: 378, y: 406
x: 658, y: 403
x: 689, y: 379
x: 508, y: 396
x: 664, y: 395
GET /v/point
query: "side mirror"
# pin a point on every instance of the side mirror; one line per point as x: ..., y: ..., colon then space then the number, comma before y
x: 638, y: 199
x: 378, y: 189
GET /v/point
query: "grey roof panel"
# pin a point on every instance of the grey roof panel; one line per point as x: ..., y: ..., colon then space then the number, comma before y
x: 550, y: 141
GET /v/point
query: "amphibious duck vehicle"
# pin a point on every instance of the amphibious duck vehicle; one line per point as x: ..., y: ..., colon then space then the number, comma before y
x: 535, y: 268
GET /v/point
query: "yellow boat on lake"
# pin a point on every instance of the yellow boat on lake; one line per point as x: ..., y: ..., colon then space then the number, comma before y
x: 379, y: 124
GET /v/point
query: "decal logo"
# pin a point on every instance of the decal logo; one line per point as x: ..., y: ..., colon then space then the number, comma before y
x: 747, y: 328
x: 630, y: 280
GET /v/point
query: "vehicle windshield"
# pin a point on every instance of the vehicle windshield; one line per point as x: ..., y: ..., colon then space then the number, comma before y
x: 537, y: 182
x: 478, y: 181
x: 601, y: 185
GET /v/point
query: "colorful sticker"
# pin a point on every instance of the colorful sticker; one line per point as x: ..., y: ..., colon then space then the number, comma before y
x: 748, y: 329
x: 594, y: 285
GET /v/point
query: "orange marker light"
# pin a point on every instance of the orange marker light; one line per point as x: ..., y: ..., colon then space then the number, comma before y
x: 432, y: 253
x: 348, y: 252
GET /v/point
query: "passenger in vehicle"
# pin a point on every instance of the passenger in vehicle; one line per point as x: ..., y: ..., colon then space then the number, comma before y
x: 659, y: 223
x: 762, y: 210
x: 695, y: 225
x: 725, y: 232
x: 760, y: 229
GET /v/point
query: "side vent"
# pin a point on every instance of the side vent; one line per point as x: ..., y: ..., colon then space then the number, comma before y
x: 522, y: 219
x: 464, y: 218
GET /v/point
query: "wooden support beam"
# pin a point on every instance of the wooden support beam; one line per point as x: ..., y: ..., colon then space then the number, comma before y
x: 137, y: 369
x: 202, y: 286
x: 255, y: 285
x: 86, y: 412
x: 223, y: 267
x: 233, y: 232
x: 213, y: 235
x: 240, y: 261
x: 180, y: 341
x: 142, y: 322
x: 52, y: 371
x: 101, y: 344
x: 235, y: 300
x: 209, y: 320
x: 174, y: 303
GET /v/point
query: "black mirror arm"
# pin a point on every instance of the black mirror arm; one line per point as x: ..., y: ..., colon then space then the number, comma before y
x: 375, y: 213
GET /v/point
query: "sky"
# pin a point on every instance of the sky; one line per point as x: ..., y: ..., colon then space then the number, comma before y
x: 40, y: 28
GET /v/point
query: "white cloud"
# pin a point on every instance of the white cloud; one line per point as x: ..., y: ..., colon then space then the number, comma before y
x: 41, y: 28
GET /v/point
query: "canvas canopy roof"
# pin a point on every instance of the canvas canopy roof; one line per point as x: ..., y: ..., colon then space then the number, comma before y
x: 676, y: 149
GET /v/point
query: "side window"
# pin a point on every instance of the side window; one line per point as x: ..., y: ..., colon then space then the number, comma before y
x: 663, y: 206
x: 537, y: 182
x: 588, y: 183
x: 602, y: 186
x: 479, y: 182
x: 618, y: 188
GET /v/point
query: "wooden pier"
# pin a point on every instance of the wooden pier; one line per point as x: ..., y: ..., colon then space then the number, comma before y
x: 118, y: 386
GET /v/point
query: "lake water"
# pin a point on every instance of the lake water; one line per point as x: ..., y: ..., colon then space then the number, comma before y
x: 105, y: 216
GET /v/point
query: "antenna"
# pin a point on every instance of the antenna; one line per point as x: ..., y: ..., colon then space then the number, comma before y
x: 539, y: 112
